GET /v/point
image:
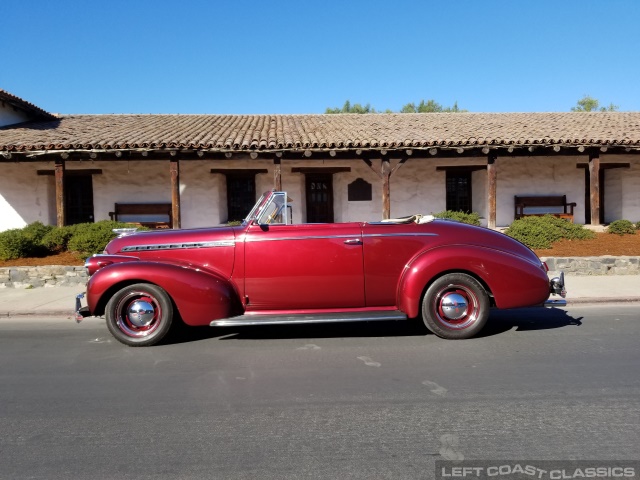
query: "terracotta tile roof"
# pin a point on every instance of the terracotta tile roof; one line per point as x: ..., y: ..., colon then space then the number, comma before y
x: 30, y: 108
x: 282, y: 132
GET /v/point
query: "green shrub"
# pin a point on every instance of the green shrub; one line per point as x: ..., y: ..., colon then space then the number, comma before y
x: 621, y: 227
x: 90, y: 238
x: 24, y: 242
x: 542, y: 232
x: 36, y: 231
x: 57, y: 239
x: 470, y: 218
x: 15, y: 244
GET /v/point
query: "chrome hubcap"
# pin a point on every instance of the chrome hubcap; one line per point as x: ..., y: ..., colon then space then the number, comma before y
x: 454, y: 306
x: 138, y: 314
x: 141, y: 313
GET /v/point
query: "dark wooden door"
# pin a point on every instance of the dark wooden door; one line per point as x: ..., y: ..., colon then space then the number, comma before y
x: 78, y: 199
x: 319, y: 193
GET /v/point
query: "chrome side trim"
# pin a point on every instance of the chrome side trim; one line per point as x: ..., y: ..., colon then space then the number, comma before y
x: 176, y: 246
x: 408, y: 234
x: 308, y: 237
x: 328, y: 237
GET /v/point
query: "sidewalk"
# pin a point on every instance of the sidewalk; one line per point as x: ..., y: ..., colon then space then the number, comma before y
x: 60, y: 301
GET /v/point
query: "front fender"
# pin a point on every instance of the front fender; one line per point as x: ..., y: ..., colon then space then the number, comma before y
x: 199, y: 296
x: 513, y: 280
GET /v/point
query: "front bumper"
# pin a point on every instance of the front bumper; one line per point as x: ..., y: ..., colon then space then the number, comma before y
x: 80, y: 311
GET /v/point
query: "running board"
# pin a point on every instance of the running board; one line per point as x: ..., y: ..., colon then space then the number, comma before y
x: 257, y: 319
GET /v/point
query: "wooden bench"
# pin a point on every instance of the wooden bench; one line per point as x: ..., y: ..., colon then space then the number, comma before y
x: 559, y: 201
x: 152, y: 215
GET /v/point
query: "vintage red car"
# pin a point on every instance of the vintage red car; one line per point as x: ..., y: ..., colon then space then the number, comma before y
x: 269, y: 271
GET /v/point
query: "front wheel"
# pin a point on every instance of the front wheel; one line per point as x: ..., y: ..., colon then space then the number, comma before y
x: 139, y: 315
x: 455, y: 306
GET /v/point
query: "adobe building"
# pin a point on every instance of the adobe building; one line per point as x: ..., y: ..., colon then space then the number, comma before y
x: 210, y: 169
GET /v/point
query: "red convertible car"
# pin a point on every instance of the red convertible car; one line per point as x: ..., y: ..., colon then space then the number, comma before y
x: 269, y: 271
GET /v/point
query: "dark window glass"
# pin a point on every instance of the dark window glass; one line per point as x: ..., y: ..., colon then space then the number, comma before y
x: 241, y: 196
x: 319, y: 198
x: 459, y: 191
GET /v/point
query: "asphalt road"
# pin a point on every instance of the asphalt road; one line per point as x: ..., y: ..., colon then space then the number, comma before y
x: 376, y: 400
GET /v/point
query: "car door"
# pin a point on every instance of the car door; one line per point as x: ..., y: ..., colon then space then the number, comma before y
x: 308, y: 266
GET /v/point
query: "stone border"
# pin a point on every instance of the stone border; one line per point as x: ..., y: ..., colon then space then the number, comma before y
x: 605, y: 265
x: 63, y: 276
x: 46, y: 276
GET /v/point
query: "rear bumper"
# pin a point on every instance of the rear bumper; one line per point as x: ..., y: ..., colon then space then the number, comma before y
x: 555, y: 302
x: 80, y: 311
x: 557, y: 287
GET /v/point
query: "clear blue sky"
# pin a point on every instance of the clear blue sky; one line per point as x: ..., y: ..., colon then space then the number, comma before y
x: 296, y: 56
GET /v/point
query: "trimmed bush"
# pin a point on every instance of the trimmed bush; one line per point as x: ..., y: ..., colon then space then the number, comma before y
x: 90, y: 238
x: 24, y: 242
x: 542, y: 232
x: 472, y: 218
x: 37, y: 231
x: 58, y: 238
x: 621, y: 227
x: 15, y: 244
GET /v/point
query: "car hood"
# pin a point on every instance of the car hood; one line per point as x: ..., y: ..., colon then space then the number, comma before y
x: 159, y: 240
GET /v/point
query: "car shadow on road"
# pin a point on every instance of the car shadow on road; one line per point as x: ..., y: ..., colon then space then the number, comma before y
x: 528, y: 319
x: 325, y: 330
x: 500, y: 321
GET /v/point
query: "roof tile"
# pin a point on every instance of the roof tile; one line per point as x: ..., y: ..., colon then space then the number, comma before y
x: 275, y: 132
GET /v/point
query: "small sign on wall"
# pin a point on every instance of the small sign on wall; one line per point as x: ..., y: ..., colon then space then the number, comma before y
x: 359, y: 191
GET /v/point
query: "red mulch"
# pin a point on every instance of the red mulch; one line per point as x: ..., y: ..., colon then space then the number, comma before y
x: 64, y: 258
x: 602, y: 244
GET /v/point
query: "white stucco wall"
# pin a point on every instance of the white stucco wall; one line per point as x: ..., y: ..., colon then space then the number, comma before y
x: 538, y: 176
x: 10, y: 115
x: 630, y: 183
x: 613, y: 194
x: 416, y: 187
x: 26, y: 197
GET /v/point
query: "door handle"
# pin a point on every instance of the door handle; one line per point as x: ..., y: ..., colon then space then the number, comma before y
x: 353, y: 241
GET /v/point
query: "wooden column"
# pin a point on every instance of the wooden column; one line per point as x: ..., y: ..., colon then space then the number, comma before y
x: 60, y: 208
x: 386, y: 188
x: 492, y: 177
x: 277, y: 175
x: 594, y: 187
x: 174, y: 168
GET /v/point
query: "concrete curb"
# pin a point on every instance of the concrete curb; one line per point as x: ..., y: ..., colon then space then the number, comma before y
x: 70, y: 314
x: 39, y: 313
x: 587, y: 300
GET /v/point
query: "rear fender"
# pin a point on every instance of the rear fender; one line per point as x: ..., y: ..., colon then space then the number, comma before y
x: 512, y: 280
x: 199, y: 297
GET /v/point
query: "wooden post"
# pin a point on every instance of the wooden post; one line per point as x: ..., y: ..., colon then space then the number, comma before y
x: 174, y: 168
x: 386, y: 188
x: 277, y: 175
x: 492, y: 177
x: 60, y: 207
x: 594, y: 187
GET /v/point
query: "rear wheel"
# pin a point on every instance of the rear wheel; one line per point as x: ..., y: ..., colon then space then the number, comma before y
x: 455, y: 306
x: 139, y: 315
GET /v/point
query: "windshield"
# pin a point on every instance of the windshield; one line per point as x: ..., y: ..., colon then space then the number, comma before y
x: 256, y: 207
